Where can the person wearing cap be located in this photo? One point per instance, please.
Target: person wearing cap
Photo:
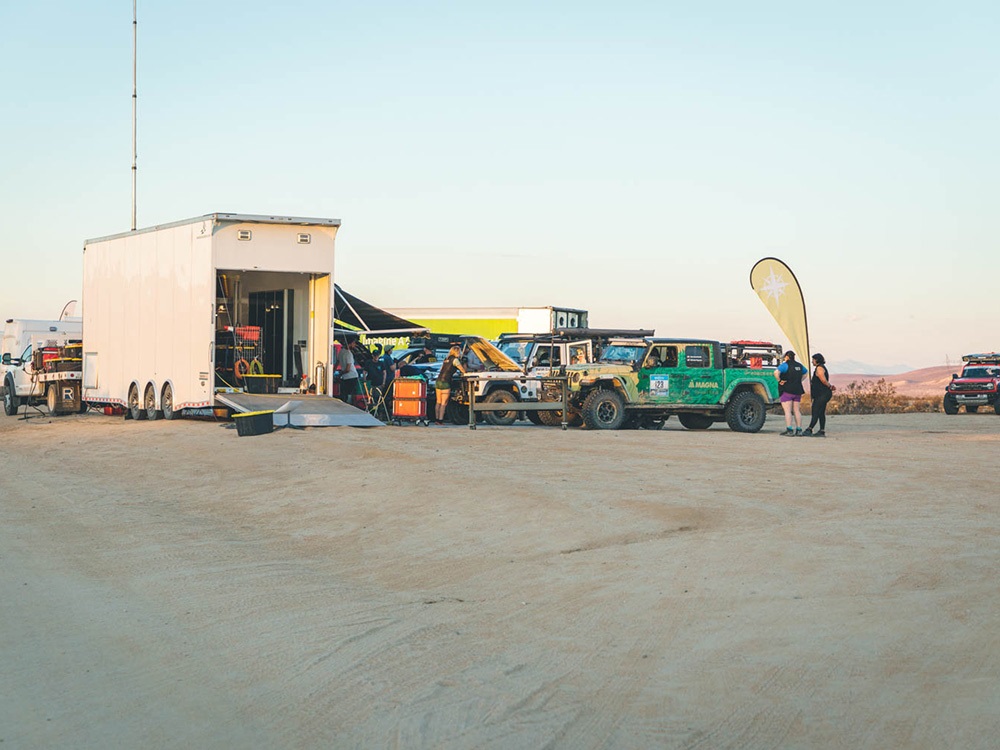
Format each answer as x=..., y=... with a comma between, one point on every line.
x=427, y=355
x=388, y=366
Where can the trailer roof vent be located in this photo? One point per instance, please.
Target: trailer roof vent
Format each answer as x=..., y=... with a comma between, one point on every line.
x=303, y=238
x=244, y=235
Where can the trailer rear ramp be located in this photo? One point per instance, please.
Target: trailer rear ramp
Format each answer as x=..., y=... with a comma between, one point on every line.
x=301, y=410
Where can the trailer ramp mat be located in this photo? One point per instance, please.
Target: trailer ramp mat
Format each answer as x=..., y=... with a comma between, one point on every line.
x=301, y=410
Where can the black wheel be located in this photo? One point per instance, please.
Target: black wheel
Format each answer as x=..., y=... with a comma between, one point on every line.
x=10, y=400
x=535, y=417
x=457, y=413
x=971, y=408
x=746, y=412
x=603, y=409
x=996, y=405
x=500, y=418
x=695, y=421
x=167, y=402
x=950, y=404
x=653, y=423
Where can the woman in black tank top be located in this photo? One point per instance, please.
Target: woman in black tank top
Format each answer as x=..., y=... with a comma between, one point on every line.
x=822, y=391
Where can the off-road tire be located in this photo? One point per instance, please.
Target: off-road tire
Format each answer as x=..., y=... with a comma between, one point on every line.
x=971, y=408
x=11, y=402
x=500, y=418
x=535, y=417
x=746, y=412
x=603, y=409
x=695, y=421
x=950, y=404
x=996, y=406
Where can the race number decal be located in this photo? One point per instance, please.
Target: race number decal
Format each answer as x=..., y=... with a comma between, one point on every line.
x=659, y=385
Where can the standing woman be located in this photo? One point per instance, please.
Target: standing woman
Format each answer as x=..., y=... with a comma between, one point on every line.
x=822, y=391
x=442, y=386
x=789, y=375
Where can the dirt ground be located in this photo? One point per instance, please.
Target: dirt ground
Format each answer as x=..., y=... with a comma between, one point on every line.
x=172, y=585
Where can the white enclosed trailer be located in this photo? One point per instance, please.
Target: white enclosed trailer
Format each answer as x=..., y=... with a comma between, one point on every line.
x=161, y=308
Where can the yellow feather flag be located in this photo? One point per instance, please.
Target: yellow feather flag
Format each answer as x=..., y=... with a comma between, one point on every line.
x=781, y=294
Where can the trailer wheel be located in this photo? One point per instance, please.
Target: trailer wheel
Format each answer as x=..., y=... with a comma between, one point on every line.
x=10, y=400
x=149, y=403
x=135, y=409
x=167, y=402
x=501, y=418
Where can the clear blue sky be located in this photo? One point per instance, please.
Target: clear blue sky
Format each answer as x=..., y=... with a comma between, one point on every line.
x=633, y=159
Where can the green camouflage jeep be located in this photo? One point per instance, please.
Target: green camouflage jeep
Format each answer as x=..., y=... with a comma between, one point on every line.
x=642, y=382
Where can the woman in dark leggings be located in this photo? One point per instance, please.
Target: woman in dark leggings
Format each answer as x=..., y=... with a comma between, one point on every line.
x=821, y=390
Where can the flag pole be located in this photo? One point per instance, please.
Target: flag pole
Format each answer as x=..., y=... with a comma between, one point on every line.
x=134, y=97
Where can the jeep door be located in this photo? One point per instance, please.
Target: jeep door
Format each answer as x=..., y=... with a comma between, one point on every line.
x=659, y=371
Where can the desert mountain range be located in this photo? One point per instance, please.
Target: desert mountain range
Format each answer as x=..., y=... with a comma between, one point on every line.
x=927, y=381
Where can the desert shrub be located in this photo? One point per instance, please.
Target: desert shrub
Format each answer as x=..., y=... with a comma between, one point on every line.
x=879, y=397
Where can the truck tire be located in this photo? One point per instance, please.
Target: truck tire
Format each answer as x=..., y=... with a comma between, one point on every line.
x=500, y=418
x=149, y=403
x=950, y=404
x=135, y=409
x=167, y=402
x=535, y=417
x=52, y=398
x=695, y=421
x=11, y=402
x=996, y=406
x=971, y=408
x=603, y=409
x=746, y=412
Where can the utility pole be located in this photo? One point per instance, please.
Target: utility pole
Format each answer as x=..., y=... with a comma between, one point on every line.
x=135, y=26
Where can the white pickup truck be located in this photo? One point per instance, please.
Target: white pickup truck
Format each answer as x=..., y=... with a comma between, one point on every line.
x=20, y=383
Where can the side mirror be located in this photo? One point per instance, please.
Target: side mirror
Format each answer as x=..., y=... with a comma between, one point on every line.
x=954, y=375
x=6, y=359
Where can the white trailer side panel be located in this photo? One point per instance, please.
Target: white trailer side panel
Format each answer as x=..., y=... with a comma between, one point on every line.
x=148, y=316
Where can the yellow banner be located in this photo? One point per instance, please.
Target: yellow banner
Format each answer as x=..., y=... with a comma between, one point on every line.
x=779, y=290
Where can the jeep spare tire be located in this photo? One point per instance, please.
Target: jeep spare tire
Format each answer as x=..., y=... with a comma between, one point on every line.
x=603, y=409
x=746, y=412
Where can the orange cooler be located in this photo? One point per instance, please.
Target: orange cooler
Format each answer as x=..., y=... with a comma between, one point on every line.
x=409, y=388
x=409, y=408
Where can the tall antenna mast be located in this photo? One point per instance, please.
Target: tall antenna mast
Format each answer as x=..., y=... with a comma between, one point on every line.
x=134, y=32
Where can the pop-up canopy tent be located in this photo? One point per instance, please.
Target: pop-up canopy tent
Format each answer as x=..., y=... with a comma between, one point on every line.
x=354, y=315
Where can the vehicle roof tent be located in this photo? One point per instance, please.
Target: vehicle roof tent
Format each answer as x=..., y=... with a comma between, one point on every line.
x=354, y=315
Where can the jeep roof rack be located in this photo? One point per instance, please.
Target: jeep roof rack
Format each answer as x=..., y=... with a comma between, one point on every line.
x=984, y=358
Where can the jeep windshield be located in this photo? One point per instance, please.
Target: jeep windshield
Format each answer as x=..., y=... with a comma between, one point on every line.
x=623, y=353
x=516, y=350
